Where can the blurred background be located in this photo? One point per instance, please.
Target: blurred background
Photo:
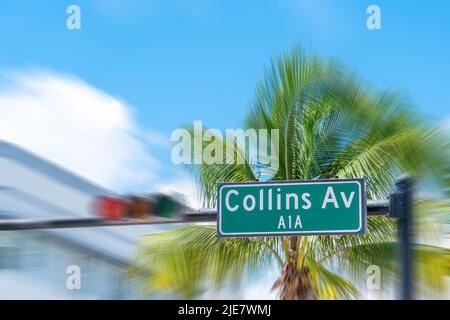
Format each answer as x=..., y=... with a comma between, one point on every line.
x=33, y=263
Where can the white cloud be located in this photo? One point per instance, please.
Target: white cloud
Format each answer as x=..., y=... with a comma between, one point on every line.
x=68, y=121
x=157, y=139
x=185, y=185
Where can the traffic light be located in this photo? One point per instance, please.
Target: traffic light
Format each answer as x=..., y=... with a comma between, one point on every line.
x=139, y=207
x=167, y=206
x=111, y=208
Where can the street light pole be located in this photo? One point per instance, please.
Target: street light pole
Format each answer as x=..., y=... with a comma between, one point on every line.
x=405, y=223
x=401, y=208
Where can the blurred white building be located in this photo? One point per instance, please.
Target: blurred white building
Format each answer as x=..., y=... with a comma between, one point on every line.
x=33, y=264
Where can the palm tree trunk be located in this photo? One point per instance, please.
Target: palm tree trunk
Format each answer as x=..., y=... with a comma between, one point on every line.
x=294, y=280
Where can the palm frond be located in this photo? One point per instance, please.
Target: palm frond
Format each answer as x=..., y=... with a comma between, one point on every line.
x=209, y=175
x=184, y=260
x=328, y=285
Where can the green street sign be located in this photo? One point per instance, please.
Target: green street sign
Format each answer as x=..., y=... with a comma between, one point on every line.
x=281, y=208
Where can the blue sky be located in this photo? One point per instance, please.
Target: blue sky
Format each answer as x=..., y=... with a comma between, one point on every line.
x=178, y=61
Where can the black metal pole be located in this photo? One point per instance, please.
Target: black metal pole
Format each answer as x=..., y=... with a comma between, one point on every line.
x=405, y=207
x=9, y=225
x=374, y=208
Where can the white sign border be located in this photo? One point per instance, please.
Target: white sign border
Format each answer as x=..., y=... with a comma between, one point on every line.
x=361, y=230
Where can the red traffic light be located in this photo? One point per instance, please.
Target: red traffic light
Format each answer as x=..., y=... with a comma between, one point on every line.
x=111, y=208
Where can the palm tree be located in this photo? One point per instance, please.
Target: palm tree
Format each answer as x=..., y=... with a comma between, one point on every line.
x=331, y=125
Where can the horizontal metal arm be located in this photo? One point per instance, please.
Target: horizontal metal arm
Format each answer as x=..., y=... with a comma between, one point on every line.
x=374, y=208
x=19, y=224
x=378, y=207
